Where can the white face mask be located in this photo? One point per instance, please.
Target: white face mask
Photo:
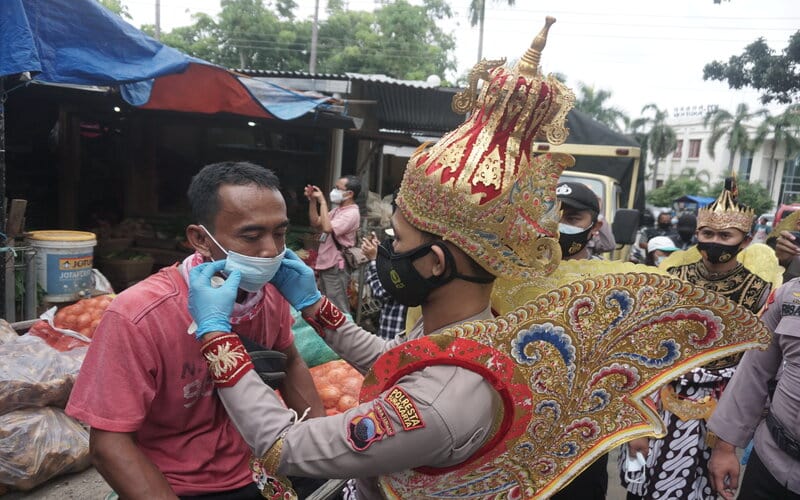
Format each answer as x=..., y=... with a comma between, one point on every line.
x=660, y=259
x=256, y=271
x=337, y=195
x=634, y=467
x=569, y=229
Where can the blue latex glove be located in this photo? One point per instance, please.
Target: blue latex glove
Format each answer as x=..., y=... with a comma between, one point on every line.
x=211, y=307
x=296, y=282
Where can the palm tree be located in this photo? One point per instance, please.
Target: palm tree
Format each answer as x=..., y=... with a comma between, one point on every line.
x=734, y=127
x=593, y=102
x=660, y=139
x=477, y=15
x=783, y=128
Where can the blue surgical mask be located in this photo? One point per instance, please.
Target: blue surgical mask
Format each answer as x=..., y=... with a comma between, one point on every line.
x=660, y=259
x=256, y=271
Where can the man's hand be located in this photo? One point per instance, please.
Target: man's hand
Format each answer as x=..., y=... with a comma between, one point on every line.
x=296, y=282
x=369, y=246
x=786, y=248
x=313, y=193
x=211, y=307
x=724, y=469
x=639, y=445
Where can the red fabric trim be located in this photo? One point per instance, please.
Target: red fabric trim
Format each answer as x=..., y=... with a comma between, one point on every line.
x=204, y=89
x=329, y=315
x=461, y=353
x=227, y=359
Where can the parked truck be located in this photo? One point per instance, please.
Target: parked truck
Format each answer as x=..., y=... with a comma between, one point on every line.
x=608, y=162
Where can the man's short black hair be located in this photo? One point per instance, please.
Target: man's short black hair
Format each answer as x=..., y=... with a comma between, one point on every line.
x=203, y=191
x=353, y=184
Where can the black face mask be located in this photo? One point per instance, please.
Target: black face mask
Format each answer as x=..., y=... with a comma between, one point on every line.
x=686, y=235
x=664, y=225
x=717, y=253
x=573, y=243
x=403, y=282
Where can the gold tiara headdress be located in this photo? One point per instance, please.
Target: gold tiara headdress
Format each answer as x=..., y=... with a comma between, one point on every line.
x=726, y=212
x=481, y=186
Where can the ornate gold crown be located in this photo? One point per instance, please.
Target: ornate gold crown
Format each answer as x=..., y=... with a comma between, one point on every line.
x=481, y=186
x=725, y=212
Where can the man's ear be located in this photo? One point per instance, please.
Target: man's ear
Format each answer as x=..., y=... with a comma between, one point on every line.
x=440, y=262
x=198, y=238
x=597, y=225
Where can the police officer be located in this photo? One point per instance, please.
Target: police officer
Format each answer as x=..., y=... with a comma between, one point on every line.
x=773, y=470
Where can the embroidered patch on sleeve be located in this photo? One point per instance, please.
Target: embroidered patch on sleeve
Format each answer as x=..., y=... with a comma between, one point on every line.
x=405, y=408
x=363, y=430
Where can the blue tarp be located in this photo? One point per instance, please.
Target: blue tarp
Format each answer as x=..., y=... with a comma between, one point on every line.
x=701, y=201
x=80, y=42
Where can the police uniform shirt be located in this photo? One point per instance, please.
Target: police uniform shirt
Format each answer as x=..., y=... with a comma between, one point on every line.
x=738, y=416
x=438, y=416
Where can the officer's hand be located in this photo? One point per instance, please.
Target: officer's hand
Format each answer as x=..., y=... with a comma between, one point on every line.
x=210, y=306
x=786, y=248
x=724, y=469
x=639, y=445
x=296, y=282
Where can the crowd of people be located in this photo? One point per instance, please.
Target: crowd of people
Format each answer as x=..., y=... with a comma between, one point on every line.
x=178, y=410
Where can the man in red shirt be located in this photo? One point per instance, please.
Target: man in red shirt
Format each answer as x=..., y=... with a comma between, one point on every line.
x=158, y=428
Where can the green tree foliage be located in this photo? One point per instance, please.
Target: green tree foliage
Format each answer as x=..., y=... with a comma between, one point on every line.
x=593, y=102
x=676, y=187
x=776, y=76
x=660, y=138
x=734, y=127
x=117, y=7
x=780, y=129
x=200, y=39
x=399, y=39
x=752, y=194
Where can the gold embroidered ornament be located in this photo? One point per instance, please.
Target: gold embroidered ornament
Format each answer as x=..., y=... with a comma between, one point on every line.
x=481, y=186
x=726, y=212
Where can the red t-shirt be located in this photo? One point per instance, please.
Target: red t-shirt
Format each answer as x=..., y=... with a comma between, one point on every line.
x=144, y=374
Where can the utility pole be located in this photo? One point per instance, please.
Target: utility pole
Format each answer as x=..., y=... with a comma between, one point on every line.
x=312, y=62
x=158, y=19
x=480, y=29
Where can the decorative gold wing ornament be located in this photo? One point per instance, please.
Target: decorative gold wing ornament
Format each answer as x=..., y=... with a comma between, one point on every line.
x=757, y=258
x=509, y=294
x=573, y=368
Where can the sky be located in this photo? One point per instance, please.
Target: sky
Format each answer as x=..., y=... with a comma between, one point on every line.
x=643, y=51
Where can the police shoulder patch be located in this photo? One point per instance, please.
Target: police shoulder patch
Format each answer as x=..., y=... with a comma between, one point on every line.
x=405, y=409
x=363, y=430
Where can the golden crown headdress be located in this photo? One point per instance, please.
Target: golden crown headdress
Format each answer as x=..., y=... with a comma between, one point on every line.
x=726, y=212
x=480, y=186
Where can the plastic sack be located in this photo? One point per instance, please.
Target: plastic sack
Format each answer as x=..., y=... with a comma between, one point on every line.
x=39, y=444
x=7, y=332
x=57, y=338
x=311, y=347
x=33, y=374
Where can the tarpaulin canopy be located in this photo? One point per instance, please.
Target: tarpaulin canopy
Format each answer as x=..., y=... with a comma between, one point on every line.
x=80, y=42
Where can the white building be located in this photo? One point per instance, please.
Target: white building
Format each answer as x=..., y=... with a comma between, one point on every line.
x=767, y=166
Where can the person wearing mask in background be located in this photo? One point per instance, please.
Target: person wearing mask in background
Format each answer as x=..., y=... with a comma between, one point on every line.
x=677, y=464
x=761, y=230
x=392, y=320
x=663, y=227
x=158, y=428
x=658, y=249
x=339, y=227
x=686, y=228
x=773, y=467
x=639, y=248
x=787, y=246
x=579, y=225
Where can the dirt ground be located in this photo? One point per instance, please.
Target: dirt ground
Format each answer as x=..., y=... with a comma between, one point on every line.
x=89, y=485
